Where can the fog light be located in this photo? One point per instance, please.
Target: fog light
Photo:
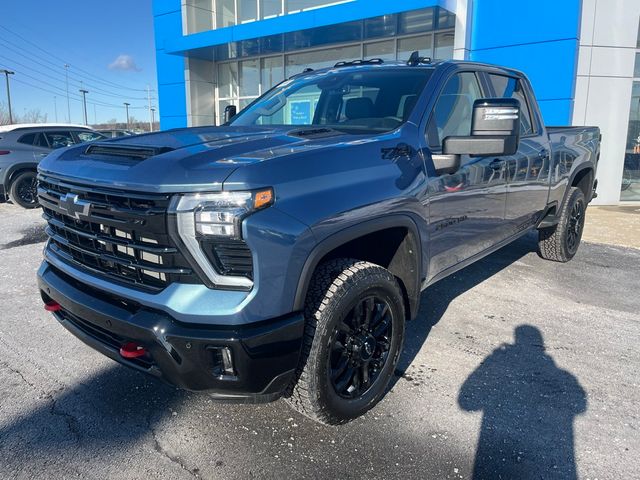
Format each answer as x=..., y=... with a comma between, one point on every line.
x=222, y=362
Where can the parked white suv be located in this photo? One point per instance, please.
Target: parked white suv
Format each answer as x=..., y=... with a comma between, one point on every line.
x=22, y=146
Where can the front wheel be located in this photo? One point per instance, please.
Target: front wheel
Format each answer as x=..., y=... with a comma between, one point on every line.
x=353, y=337
x=560, y=242
x=24, y=190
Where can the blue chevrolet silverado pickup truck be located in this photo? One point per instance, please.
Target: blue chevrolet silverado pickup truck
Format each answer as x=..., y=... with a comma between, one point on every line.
x=281, y=254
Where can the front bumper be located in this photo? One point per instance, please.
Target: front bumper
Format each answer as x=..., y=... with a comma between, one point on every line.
x=264, y=354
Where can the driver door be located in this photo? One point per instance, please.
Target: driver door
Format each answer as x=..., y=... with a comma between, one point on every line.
x=466, y=207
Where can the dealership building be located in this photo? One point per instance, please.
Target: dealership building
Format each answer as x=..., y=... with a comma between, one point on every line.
x=582, y=56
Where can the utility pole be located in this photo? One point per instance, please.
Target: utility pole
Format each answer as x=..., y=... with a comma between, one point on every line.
x=66, y=76
x=126, y=106
x=153, y=117
x=84, y=103
x=149, y=98
x=55, y=107
x=6, y=75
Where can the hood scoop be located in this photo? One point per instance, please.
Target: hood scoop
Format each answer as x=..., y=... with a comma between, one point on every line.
x=133, y=152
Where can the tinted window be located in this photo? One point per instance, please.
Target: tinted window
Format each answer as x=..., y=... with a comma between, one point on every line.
x=454, y=108
x=27, y=139
x=507, y=87
x=60, y=139
x=89, y=136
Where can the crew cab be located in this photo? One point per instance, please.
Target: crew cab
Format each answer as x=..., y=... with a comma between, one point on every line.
x=281, y=254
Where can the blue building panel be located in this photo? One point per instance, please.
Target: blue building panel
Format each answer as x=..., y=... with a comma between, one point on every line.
x=540, y=38
x=551, y=67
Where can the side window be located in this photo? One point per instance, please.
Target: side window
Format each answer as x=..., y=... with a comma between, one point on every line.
x=28, y=139
x=60, y=139
x=89, y=136
x=508, y=87
x=40, y=141
x=452, y=113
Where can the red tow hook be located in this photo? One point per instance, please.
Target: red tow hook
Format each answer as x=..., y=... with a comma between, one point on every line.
x=132, y=350
x=52, y=306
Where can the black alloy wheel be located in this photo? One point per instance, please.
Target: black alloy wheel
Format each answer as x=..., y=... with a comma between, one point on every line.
x=360, y=347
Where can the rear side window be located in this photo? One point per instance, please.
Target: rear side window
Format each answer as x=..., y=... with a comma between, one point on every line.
x=28, y=139
x=508, y=87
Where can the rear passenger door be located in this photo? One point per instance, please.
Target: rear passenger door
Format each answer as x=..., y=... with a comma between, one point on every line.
x=528, y=170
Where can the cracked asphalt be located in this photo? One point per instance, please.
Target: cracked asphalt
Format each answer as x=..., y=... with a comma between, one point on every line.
x=516, y=368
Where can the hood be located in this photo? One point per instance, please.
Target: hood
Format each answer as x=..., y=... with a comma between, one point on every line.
x=182, y=160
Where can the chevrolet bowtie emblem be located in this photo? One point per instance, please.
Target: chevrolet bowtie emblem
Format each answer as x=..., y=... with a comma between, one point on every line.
x=74, y=207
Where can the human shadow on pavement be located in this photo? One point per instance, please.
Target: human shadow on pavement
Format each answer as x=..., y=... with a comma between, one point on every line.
x=528, y=406
x=435, y=300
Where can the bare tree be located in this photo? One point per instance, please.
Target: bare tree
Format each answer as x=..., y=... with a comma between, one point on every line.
x=34, y=115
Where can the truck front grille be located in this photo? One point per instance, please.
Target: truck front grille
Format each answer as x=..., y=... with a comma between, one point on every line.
x=118, y=235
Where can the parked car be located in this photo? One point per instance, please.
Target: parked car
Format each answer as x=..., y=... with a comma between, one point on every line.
x=281, y=254
x=116, y=133
x=22, y=146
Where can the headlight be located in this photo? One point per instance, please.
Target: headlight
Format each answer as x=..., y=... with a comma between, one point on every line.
x=207, y=216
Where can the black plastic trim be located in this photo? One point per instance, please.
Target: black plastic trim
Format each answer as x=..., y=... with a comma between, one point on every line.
x=265, y=354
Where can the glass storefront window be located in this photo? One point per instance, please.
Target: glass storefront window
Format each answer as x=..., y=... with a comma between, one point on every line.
x=249, y=78
x=295, y=63
x=385, y=50
x=226, y=13
x=415, y=21
x=271, y=8
x=423, y=44
x=272, y=72
x=631, y=172
x=444, y=46
x=247, y=10
x=227, y=80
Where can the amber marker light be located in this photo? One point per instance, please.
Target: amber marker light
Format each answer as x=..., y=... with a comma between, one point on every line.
x=263, y=198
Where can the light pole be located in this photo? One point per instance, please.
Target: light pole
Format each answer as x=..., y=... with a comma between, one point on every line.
x=126, y=106
x=66, y=75
x=84, y=104
x=55, y=107
x=6, y=74
x=149, y=99
x=153, y=117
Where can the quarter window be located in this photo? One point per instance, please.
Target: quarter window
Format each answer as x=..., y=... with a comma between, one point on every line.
x=508, y=87
x=454, y=108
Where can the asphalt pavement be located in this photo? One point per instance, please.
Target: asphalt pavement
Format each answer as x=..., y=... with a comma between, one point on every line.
x=516, y=368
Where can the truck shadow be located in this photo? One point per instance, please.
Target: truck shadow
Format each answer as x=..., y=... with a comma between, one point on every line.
x=435, y=300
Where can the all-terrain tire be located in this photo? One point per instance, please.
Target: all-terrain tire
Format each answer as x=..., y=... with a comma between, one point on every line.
x=337, y=288
x=23, y=190
x=560, y=242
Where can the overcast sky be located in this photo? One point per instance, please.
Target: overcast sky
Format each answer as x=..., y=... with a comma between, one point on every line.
x=109, y=46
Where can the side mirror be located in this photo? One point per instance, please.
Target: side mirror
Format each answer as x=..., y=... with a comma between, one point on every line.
x=230, y=111
x=495, y=130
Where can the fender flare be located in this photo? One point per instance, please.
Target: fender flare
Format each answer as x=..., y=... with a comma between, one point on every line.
x=584, y=166
x=17, y=167
x=356, y=231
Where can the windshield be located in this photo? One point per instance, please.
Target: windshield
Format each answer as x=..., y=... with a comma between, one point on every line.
x=374, y=100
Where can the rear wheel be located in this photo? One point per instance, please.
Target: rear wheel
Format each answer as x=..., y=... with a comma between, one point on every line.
x=24, y=190
x=560, y=243
x=353, y=338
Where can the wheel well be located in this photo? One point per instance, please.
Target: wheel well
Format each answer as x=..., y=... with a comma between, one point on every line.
x=395, y=249
x=15, y=173
x=584, y=181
